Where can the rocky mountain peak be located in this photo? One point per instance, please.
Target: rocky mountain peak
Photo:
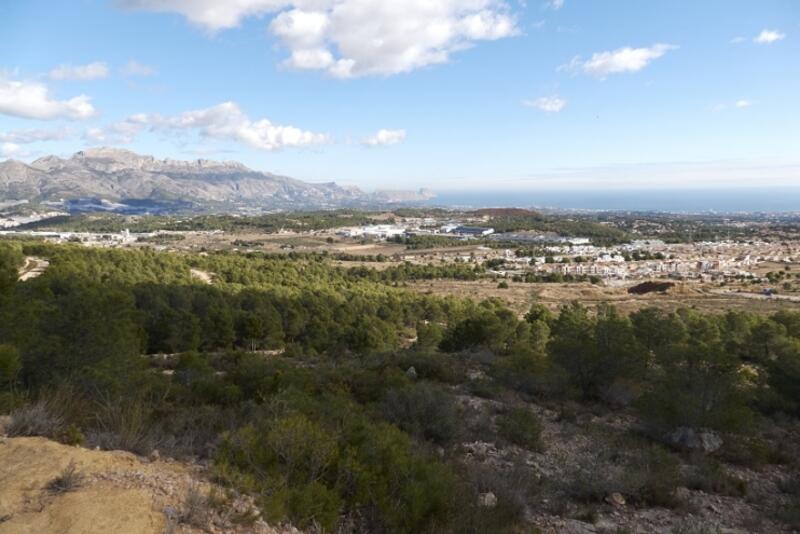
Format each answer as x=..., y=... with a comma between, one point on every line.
x=115, y=175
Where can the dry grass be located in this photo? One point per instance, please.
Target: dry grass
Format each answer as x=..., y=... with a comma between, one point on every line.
x=68, y=480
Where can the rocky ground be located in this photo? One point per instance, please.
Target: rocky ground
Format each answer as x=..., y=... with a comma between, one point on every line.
x=581, y=471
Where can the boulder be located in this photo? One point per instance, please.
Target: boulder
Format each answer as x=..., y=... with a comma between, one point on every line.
x=704, y=440
x=487, y=500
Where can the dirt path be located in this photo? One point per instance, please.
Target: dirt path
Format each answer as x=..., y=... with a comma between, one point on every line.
x=203, y=276
x=32, y=268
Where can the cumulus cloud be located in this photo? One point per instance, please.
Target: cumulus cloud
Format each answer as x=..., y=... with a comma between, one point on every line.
x=33, y=136
x=769, y=37
x=134, y=68
x=385, y=138
x=223, y=121
x=350, y=38
x=555, y=4
x=32, y=100
x=92, y=71
x=626, y=59
x=550, y=104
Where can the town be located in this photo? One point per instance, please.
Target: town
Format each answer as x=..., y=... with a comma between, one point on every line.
x=465, y=238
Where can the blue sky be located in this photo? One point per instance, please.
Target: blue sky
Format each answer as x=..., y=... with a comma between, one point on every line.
x=447, y=94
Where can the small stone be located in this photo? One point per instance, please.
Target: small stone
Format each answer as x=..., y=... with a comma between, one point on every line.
x=154, y=455
x=411, y=373
x=616, y=500
x=487, y=500
x=604, y=525
x=171, y=513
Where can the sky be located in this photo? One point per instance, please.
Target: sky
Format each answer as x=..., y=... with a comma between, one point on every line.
x=388, y=94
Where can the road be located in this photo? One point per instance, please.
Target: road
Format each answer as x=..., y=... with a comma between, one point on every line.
x=757, y=296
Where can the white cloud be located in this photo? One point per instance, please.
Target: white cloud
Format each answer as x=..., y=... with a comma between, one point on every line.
x=213, y=15
x=349, y=38
x=227, y=121
x=10, y=150
x=769, y=36
x=122, y=132
x=134, y=68
x=32, y=100
x=626, y=59
x=550, y=104
x=739, y=104
x=223, y=121
x=92, y=71
x=33, y=136
x=737, y=40
x=385, y=138
x=555, y=4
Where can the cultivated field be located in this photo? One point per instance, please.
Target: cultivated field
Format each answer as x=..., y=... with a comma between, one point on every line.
x=520, y=296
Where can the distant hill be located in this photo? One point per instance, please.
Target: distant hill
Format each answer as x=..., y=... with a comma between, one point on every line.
x=506, y=212
x=118, y=180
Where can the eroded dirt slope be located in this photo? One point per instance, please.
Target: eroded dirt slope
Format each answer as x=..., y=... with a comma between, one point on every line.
x=118, y=492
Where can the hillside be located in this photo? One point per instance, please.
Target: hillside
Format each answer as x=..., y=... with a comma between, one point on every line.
x=118, y=179
x=342, y=401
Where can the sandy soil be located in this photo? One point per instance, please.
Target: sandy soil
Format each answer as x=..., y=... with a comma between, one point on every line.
x=119, y=493
x=32, y=268
x=28, y=464
x=203, y=276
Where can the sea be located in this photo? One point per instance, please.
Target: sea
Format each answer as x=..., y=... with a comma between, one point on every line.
x=694, y=201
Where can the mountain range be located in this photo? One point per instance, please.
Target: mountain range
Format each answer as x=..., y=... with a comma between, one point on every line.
x=113, y=179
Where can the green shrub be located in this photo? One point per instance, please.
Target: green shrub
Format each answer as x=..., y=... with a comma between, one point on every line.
x=424, y=410
x=72, y=435
x=521, y=427
x=710, y=476
x=699, y=386
x=314, y=504
x=751, y=451
x=10, y=365
x=651, y=476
